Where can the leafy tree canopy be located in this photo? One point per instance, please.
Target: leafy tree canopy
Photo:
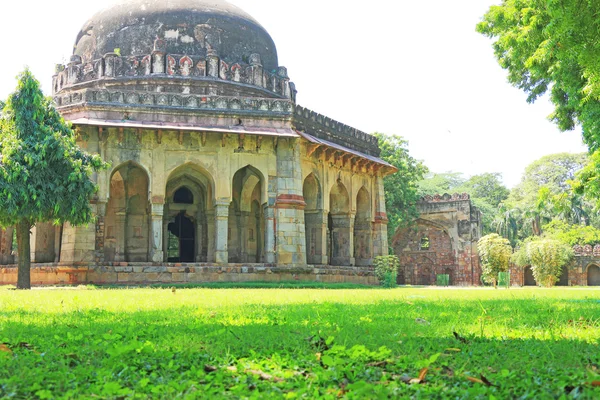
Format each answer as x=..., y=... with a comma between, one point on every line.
x=572, y=234
x=447, y=182
x=546, y=257
x=44, y=175
x=551, y=45
x=487, y=187
x=401, y=188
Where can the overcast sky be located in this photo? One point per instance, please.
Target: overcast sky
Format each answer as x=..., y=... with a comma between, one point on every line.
x=413, y=68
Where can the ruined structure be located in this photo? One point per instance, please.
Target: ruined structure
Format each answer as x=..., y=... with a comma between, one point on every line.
x=584, y=270
x=442, y=241
x=217, y=173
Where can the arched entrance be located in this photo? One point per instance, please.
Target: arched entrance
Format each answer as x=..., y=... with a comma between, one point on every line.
x=127, y=218
x=189, y=222
x=246, y=218
x=528, y=278
x=363, y=230
x=182, y=239
x=315, y=221
x=339, y=224
x=593, y=275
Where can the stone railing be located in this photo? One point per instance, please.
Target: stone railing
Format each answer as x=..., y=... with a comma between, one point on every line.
x=182, y=101
x=443, y=198
x=112, y=66
x=326, y=128
x=587, y=250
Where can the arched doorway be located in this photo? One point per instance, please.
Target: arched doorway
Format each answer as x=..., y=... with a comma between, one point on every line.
x=127, y=219
x=563, y=279
x=188, y=223
x=182, y=239
x=246, y=217
x=528, y=278
x=424, y=271
x=593, y=275
x=339, y=226
x=363, y=229
x=315, y=221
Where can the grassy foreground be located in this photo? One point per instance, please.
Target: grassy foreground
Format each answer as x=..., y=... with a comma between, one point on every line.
x=300, y=343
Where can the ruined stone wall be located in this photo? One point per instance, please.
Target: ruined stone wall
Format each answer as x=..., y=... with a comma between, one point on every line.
x=443, y=240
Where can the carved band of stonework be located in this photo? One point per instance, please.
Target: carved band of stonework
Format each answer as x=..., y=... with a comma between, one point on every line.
x=587, y=250
x=438, y=198
x=185, y=66
x=102, y=96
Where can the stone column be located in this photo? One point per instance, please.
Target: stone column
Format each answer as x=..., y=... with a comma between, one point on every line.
x=210, y=232
x=363, y=242
x=157, y=254
x=78, y=242
x=6, y=237
x=120, y=233
x=221, y=228
x=380, y=233
x=291, y=235
x=316, y=237
x=200, y=223
x=100, y=232
x=269, y=252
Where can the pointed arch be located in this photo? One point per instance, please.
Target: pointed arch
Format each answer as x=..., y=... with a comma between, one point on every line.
x=126, y=234
x=593, y=275
x=315, y=221
x=341, y=232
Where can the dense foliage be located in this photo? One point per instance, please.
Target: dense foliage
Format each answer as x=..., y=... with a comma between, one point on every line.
x=44, y=175
x=495, y=253
x=386, y=270
x=546, y=257
x=572, y=234
x=401, y=193
x=552, y=46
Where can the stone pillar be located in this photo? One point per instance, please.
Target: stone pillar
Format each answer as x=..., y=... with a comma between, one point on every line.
x=221, y=228
x=199, y=236
x=79, y=243
x=157, y=254
x=6, y=237
x=316, y=237
x=291, y=235
x=42, y=243
x=210, y=232
x=100, y=232
x=380, y=225
x=269, y=252
x=363, y=242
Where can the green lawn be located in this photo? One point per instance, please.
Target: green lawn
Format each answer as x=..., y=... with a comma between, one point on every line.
x=300, y=343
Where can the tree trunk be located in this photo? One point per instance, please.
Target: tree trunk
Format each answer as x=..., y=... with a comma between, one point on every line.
x=24, y=249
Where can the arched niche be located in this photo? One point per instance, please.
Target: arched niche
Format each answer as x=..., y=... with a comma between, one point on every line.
x=315, y=220
x=188, y=224
x=245, y=235
x=363, y=229
x=593, y=275
x=127, y=217
x=340, y=227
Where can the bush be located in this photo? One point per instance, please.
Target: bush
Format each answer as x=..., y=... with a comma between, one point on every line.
x=547, y=257
x=495, y=252
x=386, y=270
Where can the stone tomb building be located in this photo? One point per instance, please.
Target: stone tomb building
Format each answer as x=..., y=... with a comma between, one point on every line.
x=442, y=241
x=217, y=173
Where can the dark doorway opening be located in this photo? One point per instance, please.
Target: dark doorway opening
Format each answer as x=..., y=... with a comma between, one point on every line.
x=529, y=279
x=563, y=280
x=182, y=239
x=593, y=276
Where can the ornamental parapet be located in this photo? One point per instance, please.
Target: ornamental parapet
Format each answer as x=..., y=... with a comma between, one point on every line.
x=328, y=129
x=175, y=66
x=587, y=250
x=445, y=198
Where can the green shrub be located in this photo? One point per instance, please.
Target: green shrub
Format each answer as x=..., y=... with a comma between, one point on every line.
x=495, y=252
x=546, y=257
x=386, y=270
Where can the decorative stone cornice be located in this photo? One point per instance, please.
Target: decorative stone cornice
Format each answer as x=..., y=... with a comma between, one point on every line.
x=587, y=250
x=170, y=100
x=176, y=66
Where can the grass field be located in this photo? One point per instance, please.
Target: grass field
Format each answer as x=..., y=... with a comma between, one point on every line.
x=300, y=343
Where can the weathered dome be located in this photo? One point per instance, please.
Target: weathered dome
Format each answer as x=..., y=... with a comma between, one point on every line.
x=190, y=27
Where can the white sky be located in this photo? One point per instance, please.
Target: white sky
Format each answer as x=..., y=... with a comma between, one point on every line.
x=413, y=68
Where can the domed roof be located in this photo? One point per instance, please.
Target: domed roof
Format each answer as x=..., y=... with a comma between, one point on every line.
x=190, y=27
